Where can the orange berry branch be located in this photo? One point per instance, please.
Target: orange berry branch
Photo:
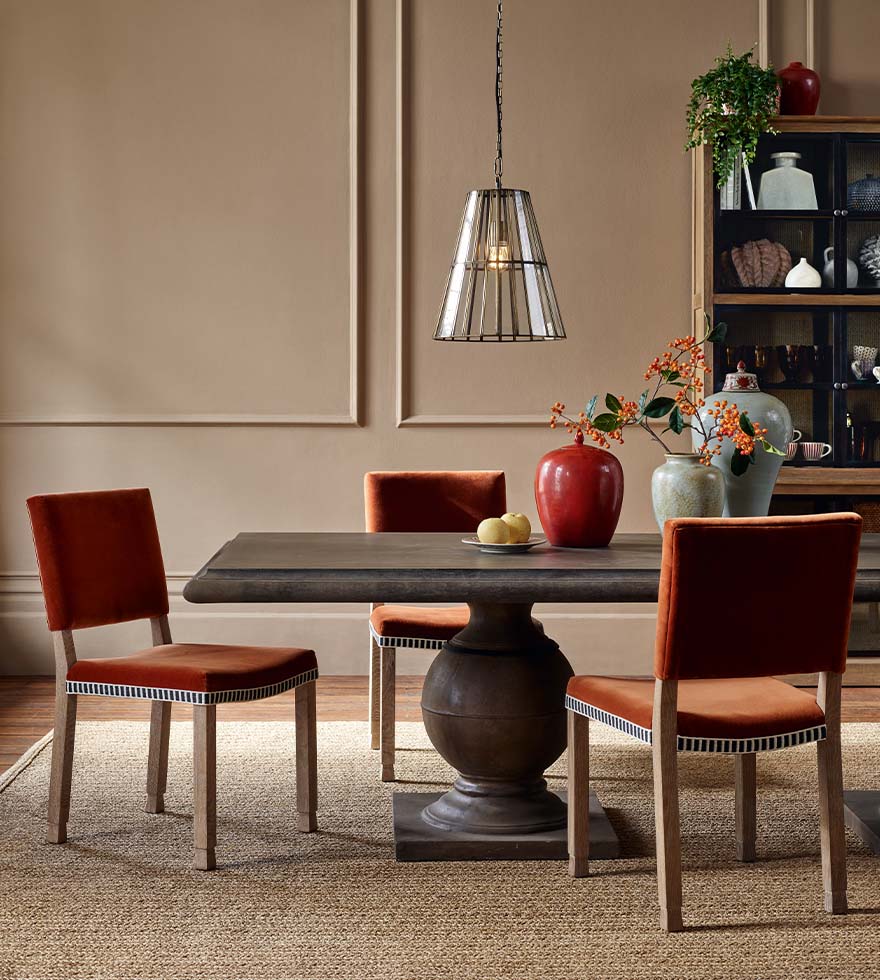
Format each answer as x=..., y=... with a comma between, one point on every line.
x=681, y=371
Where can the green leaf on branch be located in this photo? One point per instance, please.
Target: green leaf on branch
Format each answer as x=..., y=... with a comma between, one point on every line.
x=676, y=421
x=643, y=398
x=612, y=403
x=739, y=463
x=716, y=334
x=658, y=407
x=670, y=375
x=746, y=425
x=770, y=448
x=606, y=422
x=591, y=406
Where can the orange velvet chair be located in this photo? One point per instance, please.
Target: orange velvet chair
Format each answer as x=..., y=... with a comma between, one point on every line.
x=100, y=563
x=425, y=502
x=790, y=582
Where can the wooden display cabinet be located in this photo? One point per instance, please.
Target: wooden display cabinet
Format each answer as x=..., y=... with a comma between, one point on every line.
x=800, y=341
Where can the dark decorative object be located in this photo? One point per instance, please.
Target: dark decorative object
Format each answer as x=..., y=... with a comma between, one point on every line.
x=763, y=363
x=499, y=286
x=761, y=264
x=799, y=89
x=579, y=492
x=821, y=360
x=789, y=361
x=864, y=194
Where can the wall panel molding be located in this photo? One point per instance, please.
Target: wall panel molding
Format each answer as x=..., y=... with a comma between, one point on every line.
x=405, y=417
x=353, y=416
x=764, y=33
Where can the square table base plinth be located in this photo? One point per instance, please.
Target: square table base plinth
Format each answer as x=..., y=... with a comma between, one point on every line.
x=416, y=840
x=861, y=812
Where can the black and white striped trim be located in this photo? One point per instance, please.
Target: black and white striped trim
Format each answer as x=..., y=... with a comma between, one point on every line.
x=190, y=697
x=406, y=642
x=688, y=743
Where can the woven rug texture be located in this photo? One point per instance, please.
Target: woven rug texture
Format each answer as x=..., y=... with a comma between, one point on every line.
x=120, y=900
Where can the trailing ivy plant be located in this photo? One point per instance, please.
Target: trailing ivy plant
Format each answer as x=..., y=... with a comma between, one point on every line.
x=730, y=107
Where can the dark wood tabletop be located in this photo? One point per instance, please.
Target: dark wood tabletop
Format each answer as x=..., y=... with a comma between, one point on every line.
x=358, y=567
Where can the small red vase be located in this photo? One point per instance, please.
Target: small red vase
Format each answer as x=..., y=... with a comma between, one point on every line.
x=798, y=90
x=579, y=491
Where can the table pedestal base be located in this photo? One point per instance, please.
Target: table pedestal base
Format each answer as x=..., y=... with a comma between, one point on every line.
x=417, y=840
x=861, y=812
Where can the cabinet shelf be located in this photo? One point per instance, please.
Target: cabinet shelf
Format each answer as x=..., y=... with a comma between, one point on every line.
x=794, y=299
x=759, y=214
x=796, y=386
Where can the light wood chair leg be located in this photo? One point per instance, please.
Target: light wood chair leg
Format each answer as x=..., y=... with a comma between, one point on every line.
x=746, y=806
x=386, y=734
x=62, y=763
x=666, y=818
x=578, y=795
x=831, y=825
x=306, y=758
x=205, y=772
x=157, y=761
x=375, y=692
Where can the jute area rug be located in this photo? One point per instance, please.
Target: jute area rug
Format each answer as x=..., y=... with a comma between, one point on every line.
x=120, y=900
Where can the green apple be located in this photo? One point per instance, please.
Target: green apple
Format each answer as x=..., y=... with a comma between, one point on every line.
x=493, y=531
x=520, y=528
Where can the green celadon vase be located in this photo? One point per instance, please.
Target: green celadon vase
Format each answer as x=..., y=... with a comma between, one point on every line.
x=749, y=495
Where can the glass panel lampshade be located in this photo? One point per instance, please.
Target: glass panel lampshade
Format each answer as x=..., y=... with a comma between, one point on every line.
x=499, y=285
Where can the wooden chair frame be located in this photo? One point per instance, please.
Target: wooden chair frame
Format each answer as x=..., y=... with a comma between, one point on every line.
x=204, y=754
x=383, y=694
x=666, y=807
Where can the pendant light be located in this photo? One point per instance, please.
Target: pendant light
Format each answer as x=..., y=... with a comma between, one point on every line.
x=499, y=286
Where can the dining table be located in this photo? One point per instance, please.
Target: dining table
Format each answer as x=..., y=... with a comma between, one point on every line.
x=493, y=699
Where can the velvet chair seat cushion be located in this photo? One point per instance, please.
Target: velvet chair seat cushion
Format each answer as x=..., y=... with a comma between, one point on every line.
x=198, y=667
x=739, y=708
x=417, y=622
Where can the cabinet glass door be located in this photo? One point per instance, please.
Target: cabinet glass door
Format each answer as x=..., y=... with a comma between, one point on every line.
x=859, y=428
x=858, y=214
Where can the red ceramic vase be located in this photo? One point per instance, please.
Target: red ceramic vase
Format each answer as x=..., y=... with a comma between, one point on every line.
x=579, y=490
x=798, y=90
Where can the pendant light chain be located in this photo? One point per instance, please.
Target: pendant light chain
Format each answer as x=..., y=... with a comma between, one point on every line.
x=499, y=90
x=499, y=286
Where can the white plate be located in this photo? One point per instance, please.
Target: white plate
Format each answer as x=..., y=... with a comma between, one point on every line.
x=505, y=549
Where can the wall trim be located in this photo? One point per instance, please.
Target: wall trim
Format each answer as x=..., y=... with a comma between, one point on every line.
x=354, y=414
x=405, y=418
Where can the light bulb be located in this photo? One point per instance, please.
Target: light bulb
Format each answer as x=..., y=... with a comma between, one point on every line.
x=499, y=255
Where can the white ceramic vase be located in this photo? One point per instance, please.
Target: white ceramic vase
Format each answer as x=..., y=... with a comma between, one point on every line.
x=803, y=276
x=852, y=270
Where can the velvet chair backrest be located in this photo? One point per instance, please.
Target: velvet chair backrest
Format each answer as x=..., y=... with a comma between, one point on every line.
x=431, y=501
x=99, y=557
x=756, y=597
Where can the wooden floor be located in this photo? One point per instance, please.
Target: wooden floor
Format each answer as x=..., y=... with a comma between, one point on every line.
x=26, y=707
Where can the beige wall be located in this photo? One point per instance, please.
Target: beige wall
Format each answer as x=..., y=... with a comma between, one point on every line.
x=178, y=197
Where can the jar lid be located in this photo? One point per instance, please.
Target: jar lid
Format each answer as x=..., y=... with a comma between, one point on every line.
x=741, y=380
x=787, y=155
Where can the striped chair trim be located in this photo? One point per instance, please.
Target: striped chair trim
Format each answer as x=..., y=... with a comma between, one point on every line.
x=406, y=642
x=688, y=743
x=190, y=697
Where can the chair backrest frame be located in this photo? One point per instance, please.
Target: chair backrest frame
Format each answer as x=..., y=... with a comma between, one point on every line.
x=99, y=558
x=433, y=500
x=784, y=615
